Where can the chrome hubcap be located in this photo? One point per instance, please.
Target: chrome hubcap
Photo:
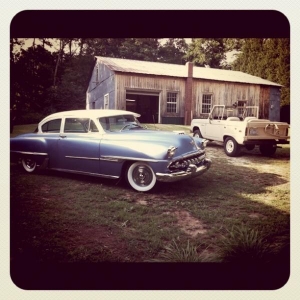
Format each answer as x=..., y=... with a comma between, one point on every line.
x=142, y=176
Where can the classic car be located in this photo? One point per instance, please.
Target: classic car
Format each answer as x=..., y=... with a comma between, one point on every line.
x=110, y=143
x=241, y=127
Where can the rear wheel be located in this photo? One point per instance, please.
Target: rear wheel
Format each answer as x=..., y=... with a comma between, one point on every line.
x=231, y=147
x=267, y=150
x=141, y=177
x=29, y=164
x=197, y=133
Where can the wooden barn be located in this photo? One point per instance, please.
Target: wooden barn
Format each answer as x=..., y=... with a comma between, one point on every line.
x=174, y=94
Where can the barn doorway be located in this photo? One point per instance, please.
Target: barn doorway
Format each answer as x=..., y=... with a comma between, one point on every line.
x=145, y=104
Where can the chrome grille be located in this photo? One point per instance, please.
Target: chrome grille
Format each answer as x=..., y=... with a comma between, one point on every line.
x=184, y=162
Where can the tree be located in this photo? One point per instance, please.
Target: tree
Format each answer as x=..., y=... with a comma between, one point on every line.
x=31, y=75
x=267, y=58
x=173, y=51
x=207, y=52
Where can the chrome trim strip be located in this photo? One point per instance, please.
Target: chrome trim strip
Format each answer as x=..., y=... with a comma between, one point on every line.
x=122, y=158
x=29, y=153
x=85, y=173
x=79, y=157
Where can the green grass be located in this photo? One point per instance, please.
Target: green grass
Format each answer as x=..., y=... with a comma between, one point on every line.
x=240, y=206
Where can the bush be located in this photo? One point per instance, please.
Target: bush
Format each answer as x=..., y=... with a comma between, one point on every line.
x=245, y=245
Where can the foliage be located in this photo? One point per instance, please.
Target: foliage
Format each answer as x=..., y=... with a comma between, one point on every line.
x=52, y=74
x=173, y=253
x=173, y=51
x=244, y=244
x=269, y=59
x=207, y=52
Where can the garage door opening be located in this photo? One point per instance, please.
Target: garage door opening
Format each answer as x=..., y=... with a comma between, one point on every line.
x=145, y=105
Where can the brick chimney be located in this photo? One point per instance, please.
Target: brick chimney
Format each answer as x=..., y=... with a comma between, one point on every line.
x=188, y=94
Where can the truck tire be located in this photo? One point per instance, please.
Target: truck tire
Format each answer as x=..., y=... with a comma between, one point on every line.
x=197, y=133
x=231, y=147
x=268, y=149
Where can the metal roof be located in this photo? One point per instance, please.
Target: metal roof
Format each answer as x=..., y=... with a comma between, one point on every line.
x=163, y=69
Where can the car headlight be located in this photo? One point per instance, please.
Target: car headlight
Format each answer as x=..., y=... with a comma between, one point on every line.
x=171, y=151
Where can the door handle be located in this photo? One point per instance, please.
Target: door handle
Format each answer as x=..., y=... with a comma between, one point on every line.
x=62, y=136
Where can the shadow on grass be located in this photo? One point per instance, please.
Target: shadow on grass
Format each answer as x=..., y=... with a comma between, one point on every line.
x=42, y=237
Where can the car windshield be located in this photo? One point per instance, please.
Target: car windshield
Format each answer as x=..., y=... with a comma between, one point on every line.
x=120, y=123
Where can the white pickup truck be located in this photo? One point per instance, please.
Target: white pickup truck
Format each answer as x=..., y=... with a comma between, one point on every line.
x=239, y=127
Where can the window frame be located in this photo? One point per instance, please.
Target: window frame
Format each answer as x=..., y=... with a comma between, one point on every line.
x=172, y=104
x=47, y=122
x=106, y=101
x=207, y=107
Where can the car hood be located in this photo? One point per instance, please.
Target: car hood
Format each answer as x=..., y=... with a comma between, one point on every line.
x=152, y=143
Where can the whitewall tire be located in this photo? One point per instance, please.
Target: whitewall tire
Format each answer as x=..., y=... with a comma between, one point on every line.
x=29, y=165
x=141, y=177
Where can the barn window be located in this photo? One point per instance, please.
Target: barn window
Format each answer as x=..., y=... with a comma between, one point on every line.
x=106, y=101
x=206, y=103
x=240, y=106
x=172, y=102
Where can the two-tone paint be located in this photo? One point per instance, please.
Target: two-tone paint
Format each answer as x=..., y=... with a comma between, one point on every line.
x=165, y=156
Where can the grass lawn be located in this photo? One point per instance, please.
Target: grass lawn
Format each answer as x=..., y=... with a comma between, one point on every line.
x=238, y=211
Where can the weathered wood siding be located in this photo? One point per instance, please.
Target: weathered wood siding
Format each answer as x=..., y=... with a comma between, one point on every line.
x=227, y=93
x=102, y=82
x=156, y=84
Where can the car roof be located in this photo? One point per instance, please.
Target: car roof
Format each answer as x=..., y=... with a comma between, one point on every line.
x=91, y=113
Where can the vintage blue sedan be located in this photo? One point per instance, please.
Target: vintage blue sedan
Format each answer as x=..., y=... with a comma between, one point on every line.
x=110, y=144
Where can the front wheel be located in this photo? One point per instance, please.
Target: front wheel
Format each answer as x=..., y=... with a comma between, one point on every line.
x=267, y=150
x=231, y=147
x=197, y=134
x=141, y=177
x=29, y=164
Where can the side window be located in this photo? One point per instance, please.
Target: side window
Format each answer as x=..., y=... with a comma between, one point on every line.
x=76, y=125
x=52, y=126
x=93, y=127
x=106, y=101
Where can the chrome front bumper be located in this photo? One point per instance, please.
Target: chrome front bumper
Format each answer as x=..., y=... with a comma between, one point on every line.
x=192, y=171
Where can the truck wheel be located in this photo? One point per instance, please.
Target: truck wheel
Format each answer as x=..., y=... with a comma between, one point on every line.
x=197, y=134
x=231, y=147
x=267, y=150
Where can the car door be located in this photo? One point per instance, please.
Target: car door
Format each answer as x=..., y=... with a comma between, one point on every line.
x=78, y=147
